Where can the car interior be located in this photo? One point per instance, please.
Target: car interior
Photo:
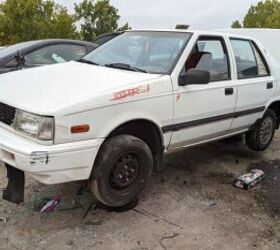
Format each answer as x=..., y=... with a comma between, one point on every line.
x=211, y=60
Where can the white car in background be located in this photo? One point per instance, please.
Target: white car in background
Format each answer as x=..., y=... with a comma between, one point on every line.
x=110, y=117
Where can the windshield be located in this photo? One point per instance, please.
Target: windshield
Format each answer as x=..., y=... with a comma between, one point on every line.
x=14, y=48
x=153, y=52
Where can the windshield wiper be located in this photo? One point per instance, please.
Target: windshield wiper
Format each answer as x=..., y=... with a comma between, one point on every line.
x=125, y=67
x=87, y=61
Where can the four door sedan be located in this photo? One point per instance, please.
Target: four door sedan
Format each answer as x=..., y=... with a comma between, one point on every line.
x=42, y=52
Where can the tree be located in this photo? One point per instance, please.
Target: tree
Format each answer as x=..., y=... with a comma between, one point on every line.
x=23, y=20
x=97, y=18
x=236, y=25
x=266, y=14
x=63, y=25
x=124, y=28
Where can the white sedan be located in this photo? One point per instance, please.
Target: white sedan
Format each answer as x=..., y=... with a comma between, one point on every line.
x=110, y=117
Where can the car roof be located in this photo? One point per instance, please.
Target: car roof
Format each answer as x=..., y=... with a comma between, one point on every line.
x=104, y=38
x=46, y=41
x=193, y=31
x=116, y=33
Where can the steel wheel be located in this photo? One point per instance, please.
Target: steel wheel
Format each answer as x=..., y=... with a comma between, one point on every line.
x=266, y=130
x=124, y=172
x=262, y=132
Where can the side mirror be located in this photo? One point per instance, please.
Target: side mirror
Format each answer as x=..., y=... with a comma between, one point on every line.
x=194, y=76
x=20, y=59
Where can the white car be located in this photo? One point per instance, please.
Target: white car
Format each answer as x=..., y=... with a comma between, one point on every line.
x=111, y=117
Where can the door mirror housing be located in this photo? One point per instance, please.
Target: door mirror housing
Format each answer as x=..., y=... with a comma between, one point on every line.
x=20, y=59
x=194, y=76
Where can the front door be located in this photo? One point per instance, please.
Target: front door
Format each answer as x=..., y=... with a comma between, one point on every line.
x=204, y=111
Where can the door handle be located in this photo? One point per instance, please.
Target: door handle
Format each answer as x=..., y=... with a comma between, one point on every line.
x=229, y=91
x=269, y=85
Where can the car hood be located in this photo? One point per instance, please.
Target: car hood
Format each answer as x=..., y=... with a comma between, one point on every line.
x=47, y=89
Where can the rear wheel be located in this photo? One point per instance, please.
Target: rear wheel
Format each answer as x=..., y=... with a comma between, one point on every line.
x=122, y=170
x=261, y=136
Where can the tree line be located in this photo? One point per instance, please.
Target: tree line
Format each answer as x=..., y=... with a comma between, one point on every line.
x=265, y=14
x=24, y=20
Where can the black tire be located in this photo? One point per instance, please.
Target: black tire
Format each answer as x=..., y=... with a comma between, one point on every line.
x=255, y=137
x=122, y=170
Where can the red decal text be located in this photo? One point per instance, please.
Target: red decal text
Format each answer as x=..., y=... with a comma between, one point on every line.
x=130, y=92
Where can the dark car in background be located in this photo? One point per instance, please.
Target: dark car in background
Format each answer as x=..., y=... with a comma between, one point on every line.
x=42, y=52
x=104, y=38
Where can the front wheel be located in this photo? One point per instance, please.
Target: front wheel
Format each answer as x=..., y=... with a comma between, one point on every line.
x=261, y=136
x=122, y=170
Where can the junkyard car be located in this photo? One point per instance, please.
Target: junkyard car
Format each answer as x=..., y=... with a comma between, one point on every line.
x=111, y=117
x=42, y=52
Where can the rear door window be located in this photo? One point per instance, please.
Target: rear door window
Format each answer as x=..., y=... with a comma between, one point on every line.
x=249, y=60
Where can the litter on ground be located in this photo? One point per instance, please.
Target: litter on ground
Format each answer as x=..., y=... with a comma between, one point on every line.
x=51, y=205
x=249, y=180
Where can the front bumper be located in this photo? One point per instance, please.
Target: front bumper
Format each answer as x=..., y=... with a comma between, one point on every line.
x=49, y=164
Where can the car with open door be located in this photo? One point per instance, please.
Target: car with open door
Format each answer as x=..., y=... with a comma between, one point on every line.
x=42, y=52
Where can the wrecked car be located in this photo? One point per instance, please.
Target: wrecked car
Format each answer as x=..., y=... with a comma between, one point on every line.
x=111, y=117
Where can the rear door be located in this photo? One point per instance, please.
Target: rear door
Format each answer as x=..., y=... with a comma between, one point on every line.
x=255, y=85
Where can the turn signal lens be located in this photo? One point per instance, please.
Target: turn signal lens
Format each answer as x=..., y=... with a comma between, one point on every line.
x=79, y=129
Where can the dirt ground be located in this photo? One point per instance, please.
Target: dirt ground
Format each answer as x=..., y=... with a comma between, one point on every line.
x=192, y=205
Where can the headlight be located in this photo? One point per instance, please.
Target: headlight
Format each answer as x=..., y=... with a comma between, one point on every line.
x=39, y=127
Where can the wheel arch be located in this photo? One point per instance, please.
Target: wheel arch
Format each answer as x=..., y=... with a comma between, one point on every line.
x=146, y=130
x=275, y=106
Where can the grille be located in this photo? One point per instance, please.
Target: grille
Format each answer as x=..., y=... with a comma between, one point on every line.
x=7, y=113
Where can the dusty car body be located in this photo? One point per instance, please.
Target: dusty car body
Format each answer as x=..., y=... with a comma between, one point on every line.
x=111, y=117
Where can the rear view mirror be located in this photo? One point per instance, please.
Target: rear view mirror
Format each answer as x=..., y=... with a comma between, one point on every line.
x=194, y=76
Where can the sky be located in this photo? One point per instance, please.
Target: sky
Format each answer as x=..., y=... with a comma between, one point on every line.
x=165, y=14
